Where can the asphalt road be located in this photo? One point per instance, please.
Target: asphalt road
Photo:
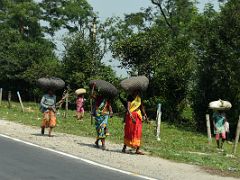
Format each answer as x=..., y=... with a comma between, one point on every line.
x=19, y=161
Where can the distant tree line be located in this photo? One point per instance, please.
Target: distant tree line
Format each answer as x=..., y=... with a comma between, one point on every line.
x=190, y=57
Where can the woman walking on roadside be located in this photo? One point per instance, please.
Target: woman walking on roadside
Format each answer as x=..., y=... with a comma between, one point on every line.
x=135, y=111
x=48, y=102
x=133, y=123
x=102, y=92
x=48, y=108
x=219, y=119
x=80, y=107
x=103, y=110
x=80, y=103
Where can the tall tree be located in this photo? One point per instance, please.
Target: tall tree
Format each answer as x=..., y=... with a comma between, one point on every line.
x=82, y=61
x=22, y=44
x=160, y=50
x=218, y=60
x=73, y=15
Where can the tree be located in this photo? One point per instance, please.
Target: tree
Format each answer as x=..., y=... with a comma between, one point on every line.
x=71, y=15
x=22, y=45
x=217, y=46
x=23, y=16
x=162, y=51
x=26, y=54
x=82, y=62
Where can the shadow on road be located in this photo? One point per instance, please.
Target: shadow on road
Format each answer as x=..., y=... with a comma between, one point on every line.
x=88, y=145
x=45, y=135
x=111, y=150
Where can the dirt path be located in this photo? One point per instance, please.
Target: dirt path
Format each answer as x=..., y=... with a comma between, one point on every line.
x=83, y=147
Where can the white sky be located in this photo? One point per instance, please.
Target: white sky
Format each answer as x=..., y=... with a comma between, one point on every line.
x=108, y=8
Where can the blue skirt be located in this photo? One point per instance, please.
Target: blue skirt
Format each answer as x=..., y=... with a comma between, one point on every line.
x=101, y=124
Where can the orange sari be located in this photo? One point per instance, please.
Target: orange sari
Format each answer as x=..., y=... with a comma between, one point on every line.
x=133, y=131
x=49, y=119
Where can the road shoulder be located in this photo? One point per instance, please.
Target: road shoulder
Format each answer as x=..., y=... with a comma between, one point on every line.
x=83, y=147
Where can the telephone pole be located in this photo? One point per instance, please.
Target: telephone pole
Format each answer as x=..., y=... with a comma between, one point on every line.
x=93, y=32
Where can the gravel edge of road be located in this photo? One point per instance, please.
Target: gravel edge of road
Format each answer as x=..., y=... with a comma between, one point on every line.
x=83, y=147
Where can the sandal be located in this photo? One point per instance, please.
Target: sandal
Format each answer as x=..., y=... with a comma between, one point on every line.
x=103, y=147
x=42, y=131
x=124, y=150
x=139, y=153
x=97, y=145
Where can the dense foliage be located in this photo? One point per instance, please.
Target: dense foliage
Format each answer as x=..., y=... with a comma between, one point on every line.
x=190, y=57
x=218, y=63
x=26, y=54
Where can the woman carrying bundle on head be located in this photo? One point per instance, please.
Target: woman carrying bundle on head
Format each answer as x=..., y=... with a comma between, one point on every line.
x=102, y=109
x=48, y=102
x=135, y=112
x=80, y=103
x=219, y=120
x=133, y=122
x=48, y=108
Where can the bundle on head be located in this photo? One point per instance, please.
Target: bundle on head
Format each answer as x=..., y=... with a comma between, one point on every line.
x=220, y=105
x=51, y=83
x=80, y=91
x=138, y=83
x=105, y=88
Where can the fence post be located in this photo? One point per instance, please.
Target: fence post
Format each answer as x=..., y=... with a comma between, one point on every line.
x=1, y=91
x=236, y=137
x=20, y=100
x=208, y=128
x=9, y=99
x=158, y=118
x=66, y=104
x=91, y=103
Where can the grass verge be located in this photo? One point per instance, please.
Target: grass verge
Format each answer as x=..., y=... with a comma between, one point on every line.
x=176, y=144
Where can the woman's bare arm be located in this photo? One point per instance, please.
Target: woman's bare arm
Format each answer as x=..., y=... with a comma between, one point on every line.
x=110, y=109
x=128, y=109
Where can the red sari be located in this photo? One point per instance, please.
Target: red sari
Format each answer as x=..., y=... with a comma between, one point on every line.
x=133, y=130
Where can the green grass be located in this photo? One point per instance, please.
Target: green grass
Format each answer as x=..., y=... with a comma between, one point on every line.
x=176, y=143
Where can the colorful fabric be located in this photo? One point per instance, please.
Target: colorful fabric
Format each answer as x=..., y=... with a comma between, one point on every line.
x=133, y=130
x=135, y=106
x=47, y=101
x=219, y=121
x=101, y=125
x=79, y=104
x=49, y=119
x=101, y=118
x=223, y=135
x=102, y=107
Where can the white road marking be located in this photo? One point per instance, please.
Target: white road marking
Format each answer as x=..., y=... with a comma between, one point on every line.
x=78, y=158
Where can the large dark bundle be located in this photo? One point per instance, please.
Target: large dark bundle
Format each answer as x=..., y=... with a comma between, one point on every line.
x=52, y=83
x=104, y=87
x=138, y=83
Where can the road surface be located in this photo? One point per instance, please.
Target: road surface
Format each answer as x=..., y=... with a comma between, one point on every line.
x=19, y=161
